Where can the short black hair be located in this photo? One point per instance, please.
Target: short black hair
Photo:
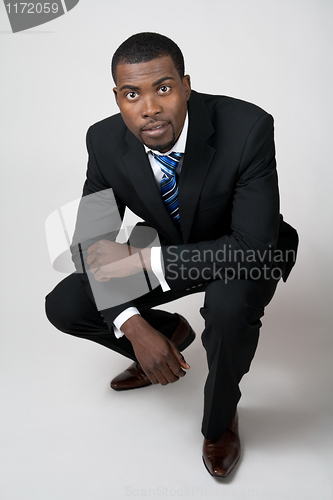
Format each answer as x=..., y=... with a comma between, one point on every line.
x=144, y=47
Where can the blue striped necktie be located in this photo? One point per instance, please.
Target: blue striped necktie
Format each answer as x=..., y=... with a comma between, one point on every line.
x=169, y=189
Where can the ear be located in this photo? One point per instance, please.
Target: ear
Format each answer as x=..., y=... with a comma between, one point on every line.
x=187, y=85
x=116, y=95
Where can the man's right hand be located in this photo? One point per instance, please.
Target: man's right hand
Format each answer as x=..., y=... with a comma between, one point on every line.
x=157, y=355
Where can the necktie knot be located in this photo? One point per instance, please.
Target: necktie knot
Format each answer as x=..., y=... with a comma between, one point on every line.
x=168, y=163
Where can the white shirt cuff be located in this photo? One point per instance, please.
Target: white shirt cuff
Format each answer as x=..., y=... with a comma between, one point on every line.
x=156, y=267
x=121, y=318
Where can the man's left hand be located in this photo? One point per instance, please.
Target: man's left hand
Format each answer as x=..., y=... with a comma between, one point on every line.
x=108, y=259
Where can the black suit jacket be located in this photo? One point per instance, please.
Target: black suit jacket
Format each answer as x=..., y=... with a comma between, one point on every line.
x=228, y=192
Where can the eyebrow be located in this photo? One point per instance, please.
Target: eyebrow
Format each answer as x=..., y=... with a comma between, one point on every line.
x=129, y=87
x=162, y=80
x=135, y=88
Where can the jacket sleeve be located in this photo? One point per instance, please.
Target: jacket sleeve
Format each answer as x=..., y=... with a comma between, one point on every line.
x=99, y=217
x=247, y=250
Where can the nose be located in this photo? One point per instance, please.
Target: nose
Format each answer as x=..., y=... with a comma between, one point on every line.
x=150, y=107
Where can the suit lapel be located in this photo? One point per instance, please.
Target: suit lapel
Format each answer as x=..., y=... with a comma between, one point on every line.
x=142, y=177
x=197, y=159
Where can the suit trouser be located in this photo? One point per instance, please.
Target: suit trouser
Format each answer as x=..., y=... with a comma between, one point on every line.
x=232, y=310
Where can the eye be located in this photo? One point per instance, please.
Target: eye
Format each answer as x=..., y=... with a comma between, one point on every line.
x=131, y=96
x=164, y=89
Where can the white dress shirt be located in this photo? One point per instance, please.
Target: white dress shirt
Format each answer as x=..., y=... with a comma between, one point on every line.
x=155, y=256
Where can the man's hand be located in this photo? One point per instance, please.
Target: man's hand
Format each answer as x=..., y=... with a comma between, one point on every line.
x=157, y=355
x=108, y=259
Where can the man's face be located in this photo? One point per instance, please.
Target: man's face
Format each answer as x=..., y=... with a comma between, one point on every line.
x=152, y=98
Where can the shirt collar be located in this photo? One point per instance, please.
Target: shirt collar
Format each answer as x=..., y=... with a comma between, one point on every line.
x=179, y=146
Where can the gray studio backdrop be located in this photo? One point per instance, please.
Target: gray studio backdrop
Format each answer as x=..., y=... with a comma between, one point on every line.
x=55, y=82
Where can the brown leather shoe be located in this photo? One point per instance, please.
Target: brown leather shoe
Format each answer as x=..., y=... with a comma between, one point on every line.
x=221, y=455
x=134, y=377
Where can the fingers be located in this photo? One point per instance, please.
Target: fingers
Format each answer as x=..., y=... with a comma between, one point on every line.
x=156, y=377
x=181, y=360
x=92, y=248
x=160, y=374
x=96, y=252
x=97, y=245
x=151, y=377
x=171, y=369
x=176, y=368
x=160, y=378
x=90, y=260
x=99, y=277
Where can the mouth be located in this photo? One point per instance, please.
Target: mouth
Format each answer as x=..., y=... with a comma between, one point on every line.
x=155, y=129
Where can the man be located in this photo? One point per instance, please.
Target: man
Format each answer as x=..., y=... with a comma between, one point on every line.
x=200, y=170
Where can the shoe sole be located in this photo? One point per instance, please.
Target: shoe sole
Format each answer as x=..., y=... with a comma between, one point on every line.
x=130, y=388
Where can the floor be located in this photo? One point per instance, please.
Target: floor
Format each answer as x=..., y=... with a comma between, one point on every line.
x=67, y=436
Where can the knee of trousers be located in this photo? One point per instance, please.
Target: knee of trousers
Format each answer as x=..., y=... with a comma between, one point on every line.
x=67, y=305
x=57, y=312
x=70, y=310
x=232, y=306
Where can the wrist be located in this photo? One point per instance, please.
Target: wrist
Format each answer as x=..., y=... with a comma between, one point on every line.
x=144, y=260
x=145, y=256
x=131, y=326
